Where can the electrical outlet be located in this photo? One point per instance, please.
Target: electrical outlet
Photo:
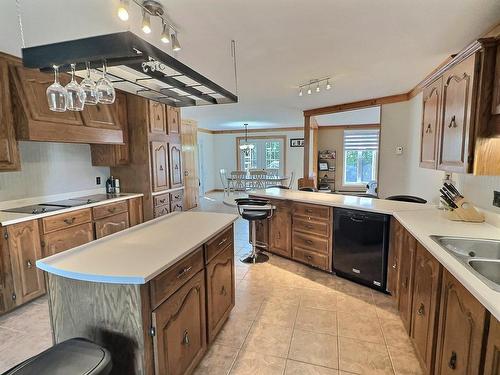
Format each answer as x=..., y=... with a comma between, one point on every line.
x=98, y=180
x=496, y=198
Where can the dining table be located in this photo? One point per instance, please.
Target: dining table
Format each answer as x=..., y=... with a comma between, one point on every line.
x=247, y=181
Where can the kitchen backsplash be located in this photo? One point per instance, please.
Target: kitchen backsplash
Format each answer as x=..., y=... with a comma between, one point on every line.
x=51, y=168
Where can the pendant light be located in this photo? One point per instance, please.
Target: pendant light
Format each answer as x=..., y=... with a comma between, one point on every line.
x=246, y=147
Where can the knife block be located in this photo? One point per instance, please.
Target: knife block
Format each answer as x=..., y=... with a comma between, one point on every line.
x=465, y=212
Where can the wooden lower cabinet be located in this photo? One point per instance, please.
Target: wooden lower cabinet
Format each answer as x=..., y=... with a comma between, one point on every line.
x=426, y=293
x=111, y=224
x=61, y=240
x=135, y=214
x=406, y=274
x=461, y=330
x=180, y=329
x=220, y=291
x=280, y=230
x=394, y=256
x=492, y=362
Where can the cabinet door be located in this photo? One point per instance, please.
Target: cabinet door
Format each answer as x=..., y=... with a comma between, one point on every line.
x=65, y=239
x=492, y=363
x=159, y=165
x=122, y=151
x=135, y=213
x=9, y=151
x=180, y=329
x=430, y=124
x=393, y=260
x=406, y=274
x=111, y=224
x=157, y=123
x=175, y=161
x=461, y=330
x=426, y=292
x=456, y=129
x=220, y=291
x=25, y=249
x=261, y=233
x=173, y=120
x=280, y=228
x=101, y=116
x=6, y=283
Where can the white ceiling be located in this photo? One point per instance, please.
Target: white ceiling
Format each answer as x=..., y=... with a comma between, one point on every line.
x=369, y=48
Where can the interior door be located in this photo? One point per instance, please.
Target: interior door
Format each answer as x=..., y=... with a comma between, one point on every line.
x=189, y=140
x=159, y=165
x=430, y=124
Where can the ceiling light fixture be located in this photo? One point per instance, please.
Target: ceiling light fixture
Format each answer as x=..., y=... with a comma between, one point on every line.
x=123, y=10
x=328, y=86
x=176, y=46
x=318, y=82
x=300, y=92
x=246, y=147
x=165, y=34
x=309, y=92
x=146, y=22
x=317, y=88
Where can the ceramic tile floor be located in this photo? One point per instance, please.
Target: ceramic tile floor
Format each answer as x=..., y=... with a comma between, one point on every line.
x=288, y=319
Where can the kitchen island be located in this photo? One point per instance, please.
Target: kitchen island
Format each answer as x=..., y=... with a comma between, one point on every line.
x=155, y=295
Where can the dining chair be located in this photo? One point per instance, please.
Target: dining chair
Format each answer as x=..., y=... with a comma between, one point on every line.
x=226, y=184
x=273, y=172
x=258, y=179
x=238, y=180
x=291, y=180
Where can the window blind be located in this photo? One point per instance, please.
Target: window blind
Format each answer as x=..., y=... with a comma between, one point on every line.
x=361, y=140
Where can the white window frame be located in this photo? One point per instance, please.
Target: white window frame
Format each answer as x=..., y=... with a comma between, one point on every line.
x=375, y=159
x=260, y=148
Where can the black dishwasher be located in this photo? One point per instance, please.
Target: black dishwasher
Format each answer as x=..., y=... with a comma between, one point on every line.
x=361, y=241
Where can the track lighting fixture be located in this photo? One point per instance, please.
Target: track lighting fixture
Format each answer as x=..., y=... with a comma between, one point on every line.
x=176, y=46
x=123, y=10
x=146, y=22
x=317, y=82
x=165, y=34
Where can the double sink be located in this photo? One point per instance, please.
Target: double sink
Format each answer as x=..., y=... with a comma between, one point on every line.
x=480, y=256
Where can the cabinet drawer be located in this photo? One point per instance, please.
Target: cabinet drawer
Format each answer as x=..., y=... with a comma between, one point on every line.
x=166, y=283
x=162, y=210
x=177, y=195
x=61, y=240
x=109, y=209
x=215, y=245
x=161, y=199
x=312, y=210
x=310, y=242
x=320, y=228
x=176, y=206
x=69, y=219
x=112, y=224
x=310, y=257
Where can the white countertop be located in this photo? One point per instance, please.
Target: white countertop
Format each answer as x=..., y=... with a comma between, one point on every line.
x=8, y=218
x=138, y=254
x=422, y=224
x=338, y=200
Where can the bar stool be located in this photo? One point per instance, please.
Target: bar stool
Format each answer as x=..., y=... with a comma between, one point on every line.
x=253, y=209
x=76, y=356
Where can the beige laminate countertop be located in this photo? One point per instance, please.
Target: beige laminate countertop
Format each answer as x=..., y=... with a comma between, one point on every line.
x=138, y=254
x=9, y=218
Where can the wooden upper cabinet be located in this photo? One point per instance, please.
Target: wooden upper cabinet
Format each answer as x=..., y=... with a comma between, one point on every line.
x=159, y=165
x=280, y=230
x=426, y=293
x=157, y=123
x=101, y=116
x=406, y=276
x=24, y=249
x=173, y=120
x=180, y=329
x=492, y=362
x=9, y=151
x=430, y=124
x=455, y=146
x=175, y=162
x=461, y=330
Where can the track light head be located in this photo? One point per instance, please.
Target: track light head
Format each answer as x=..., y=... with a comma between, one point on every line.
x=165, y=34
x=317, y=88
x=146, y=22
x=300, y=92
x=328, y=86
x=309, y=91
x=123, y=10
x=176, y=46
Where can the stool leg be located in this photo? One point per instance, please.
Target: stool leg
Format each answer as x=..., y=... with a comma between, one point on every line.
x=254, y=256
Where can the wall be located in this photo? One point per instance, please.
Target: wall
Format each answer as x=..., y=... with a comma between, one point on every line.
x=51, y=168
x=332, y=139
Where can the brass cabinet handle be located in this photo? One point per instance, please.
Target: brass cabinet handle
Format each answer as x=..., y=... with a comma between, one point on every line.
x=162, y=200
x=161, y=167
x=29, y=264
x=428, y=129
x=111, y=209
x=69, y=221
x=309, y=226
x=421, y=309
x=453, y=361
x=223, y=291
x=309, y=210
x=308, y=257
x=220, y=243
x=185, y=338
x=184, y=272
x=395, y=265
x=453, y=123
x=309, y=242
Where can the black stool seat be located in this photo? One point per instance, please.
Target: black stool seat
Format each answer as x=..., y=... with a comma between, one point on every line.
x=254, y=215
x=75, y=356
x=407, y=198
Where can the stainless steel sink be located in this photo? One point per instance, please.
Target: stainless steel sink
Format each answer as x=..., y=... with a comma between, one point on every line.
x=480, y=256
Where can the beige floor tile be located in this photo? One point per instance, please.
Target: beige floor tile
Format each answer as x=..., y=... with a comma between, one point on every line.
x=405, y=361
x=360, y=327
x=287, y=296
x=268, y=339
x=352, y=289
x=355, y=305
x=315, y=320
x=251, y=363
x=217, y=361
x=234, y=332
x=314, y=348
x=363, y=357
x=315, y=299
x=386, y=306
x=246, y=309
x=395, y=333
x=299, y=368
x=278, y=314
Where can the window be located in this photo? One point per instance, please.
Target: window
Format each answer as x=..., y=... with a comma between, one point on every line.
x=360, y=156
x=266, y=154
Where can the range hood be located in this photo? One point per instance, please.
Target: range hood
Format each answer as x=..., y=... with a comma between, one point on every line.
x=134, y=66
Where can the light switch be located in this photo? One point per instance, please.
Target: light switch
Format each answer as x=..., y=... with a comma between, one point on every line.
x=399, y=150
